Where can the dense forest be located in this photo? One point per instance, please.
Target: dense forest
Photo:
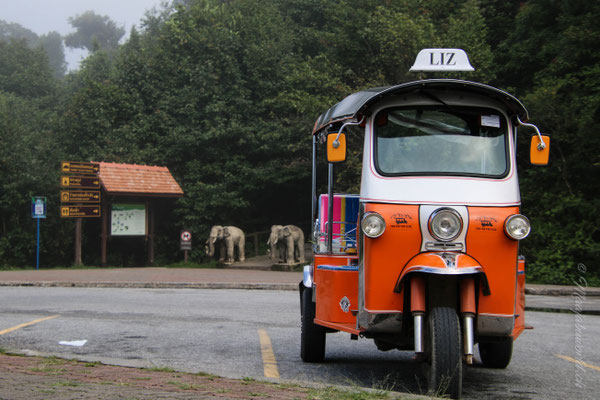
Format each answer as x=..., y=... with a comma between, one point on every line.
x=225, y=94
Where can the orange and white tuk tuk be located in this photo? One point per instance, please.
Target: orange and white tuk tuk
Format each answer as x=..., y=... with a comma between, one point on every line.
x=426, y=257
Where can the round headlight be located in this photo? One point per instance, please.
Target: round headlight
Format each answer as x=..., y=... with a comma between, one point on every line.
x=445, y=224
x=517, y=227
x=373, y=225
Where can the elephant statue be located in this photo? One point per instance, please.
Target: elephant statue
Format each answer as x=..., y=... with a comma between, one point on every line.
x=229, y=238
x=293, y=238
x=277, y=250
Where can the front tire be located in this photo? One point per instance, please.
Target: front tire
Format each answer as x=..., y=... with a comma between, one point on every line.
x=312, y=337
x=496, y=354
x=444, y=369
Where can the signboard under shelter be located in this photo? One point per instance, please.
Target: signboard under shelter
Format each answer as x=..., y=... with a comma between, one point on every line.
x=128, y=220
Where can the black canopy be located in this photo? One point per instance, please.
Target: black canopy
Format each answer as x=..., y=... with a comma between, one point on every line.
x=359, y=102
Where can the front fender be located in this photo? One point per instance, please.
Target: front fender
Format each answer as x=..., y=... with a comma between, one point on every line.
x=443, y=264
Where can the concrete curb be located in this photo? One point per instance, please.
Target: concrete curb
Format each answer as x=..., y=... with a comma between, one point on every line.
x=157, y=285
x=531, y=290
x=562, y=291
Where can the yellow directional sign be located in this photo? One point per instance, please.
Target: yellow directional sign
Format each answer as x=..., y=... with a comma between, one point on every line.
x=77, y=167
x=80, y=196
x=79, y=211
x=80, y=182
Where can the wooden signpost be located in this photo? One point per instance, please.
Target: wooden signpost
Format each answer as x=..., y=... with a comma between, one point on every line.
x=86, y=178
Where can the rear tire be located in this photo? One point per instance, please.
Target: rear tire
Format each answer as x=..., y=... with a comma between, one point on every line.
x=496, y=354
x=312, y=337
x=444, y=369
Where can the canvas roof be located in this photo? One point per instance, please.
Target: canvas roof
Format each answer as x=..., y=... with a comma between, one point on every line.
x=138, y=180
x=358, y=102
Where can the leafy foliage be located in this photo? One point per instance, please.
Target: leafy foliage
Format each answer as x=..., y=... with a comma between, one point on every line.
x=225, y=94
x=94, y=32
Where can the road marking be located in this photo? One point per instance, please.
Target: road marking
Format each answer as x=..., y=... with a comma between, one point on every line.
x=582, y=363
x=14, y=328
x=269, y=362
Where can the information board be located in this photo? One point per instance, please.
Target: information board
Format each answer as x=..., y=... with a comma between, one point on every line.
x=128, y=220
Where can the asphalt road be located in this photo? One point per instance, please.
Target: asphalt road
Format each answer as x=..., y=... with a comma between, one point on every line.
x=217, y=331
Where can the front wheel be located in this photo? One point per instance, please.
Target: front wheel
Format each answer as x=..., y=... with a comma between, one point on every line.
x=444, y=369
x=312, y=337
x=496, y=354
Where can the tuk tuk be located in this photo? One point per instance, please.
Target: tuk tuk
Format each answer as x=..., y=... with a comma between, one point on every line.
x=426, y=257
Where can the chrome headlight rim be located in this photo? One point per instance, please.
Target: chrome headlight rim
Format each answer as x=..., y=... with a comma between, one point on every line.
x=515, y=219
x=364, y=224
x=436, y=215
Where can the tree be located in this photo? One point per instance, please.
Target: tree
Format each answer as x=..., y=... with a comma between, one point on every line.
x=553, y=54
x=93, y=32
x=51, y=43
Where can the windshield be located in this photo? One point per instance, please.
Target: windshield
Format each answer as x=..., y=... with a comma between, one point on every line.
x=441, y=141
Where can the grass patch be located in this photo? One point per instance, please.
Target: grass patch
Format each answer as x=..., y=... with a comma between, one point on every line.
x=48, y=370
x=66, y=383
x=141, y=378
x=184, y=386
x=160, y=369
x=208, y=376
x=53, y=360
x=331, y=393
x=91, y=364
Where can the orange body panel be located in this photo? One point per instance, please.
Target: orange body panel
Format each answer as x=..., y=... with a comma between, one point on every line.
x=385, y=256
x=520, y=309
x=467, y=296
x=332, y=286
x=418, y=294
x=497, y=254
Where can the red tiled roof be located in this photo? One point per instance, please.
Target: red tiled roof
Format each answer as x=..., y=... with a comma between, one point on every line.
x=141, y=180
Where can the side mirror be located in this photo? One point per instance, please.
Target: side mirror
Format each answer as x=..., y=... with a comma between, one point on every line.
x=539, y=151
x=336, y=147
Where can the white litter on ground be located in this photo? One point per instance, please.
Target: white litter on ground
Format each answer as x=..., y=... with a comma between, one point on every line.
x=77, y=343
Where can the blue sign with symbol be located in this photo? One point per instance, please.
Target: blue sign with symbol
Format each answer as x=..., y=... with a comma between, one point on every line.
x=38, y=207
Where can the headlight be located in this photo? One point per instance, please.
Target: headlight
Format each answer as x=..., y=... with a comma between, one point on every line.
x=445, y=224
x=517, y=227
x=373, y=225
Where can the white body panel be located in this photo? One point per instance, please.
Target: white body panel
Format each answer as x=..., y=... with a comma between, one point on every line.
x=444, y=190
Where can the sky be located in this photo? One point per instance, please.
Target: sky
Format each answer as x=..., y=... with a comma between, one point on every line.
x=43, y=16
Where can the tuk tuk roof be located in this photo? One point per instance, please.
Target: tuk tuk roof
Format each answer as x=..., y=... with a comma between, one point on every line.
x=358, y=102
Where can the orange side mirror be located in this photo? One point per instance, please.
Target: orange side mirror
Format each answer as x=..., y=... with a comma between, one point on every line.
x=336, y=147
x=539, y=151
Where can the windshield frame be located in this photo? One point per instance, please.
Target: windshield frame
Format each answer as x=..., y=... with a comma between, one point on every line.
x=504, y=124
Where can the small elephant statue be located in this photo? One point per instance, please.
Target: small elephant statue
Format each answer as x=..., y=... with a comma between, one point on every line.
x=293, y=238
x=229, y=238
x=277, y=249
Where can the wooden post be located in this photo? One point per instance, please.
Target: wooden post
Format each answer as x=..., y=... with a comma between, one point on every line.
x=77, y=262
x=256, y=244
x=185, y=256
x=104, y=234
x=150, y=234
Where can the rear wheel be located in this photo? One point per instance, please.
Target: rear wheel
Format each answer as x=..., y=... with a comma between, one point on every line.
x=496, y=354
x=312, y=338
x=444, y=364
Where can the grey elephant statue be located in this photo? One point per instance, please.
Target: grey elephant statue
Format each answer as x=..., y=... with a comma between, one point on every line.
x=293, y=238
x=277, y=248
x=230, y=239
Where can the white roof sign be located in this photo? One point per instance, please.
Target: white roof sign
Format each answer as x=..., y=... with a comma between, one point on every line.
x=442, y=60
